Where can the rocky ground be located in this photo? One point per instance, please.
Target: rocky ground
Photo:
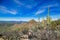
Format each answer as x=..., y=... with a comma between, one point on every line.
x=38, y=35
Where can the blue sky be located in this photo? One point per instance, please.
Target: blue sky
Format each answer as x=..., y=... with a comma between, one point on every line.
x=25, y=10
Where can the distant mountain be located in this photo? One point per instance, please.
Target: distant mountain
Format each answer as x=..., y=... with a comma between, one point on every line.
x=12, y=22
x=30, y=24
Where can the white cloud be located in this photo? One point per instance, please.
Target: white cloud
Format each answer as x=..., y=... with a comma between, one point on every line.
x=39, y=12
x=5, y=10
x=22, y=4
x=51, y=5
x=16, y=19
x=12, y=12
x=18, y=2
x=31, y=5
x=55, y=17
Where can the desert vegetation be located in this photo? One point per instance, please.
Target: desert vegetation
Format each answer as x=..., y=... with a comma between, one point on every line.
x=31, y=30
